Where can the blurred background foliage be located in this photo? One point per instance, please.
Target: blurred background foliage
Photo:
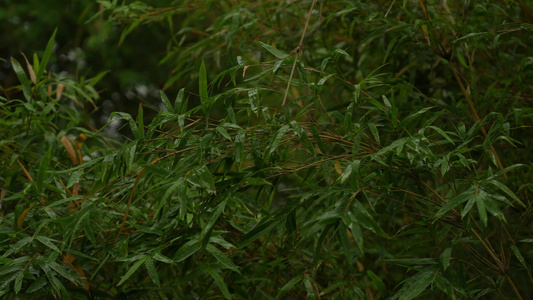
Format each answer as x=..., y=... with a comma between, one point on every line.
x=335, y=149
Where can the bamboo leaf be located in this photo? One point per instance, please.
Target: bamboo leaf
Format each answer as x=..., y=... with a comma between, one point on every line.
x=202, y=86
x=48, y=242
x=132, y=270
x=415, y=285
x=26, y=88
x=277, y=53
x=187, y=250
x=140, y=123
x=256, y=232
x=212, y=220
x=220, y=283
x=274, y=142
x=222, y=258
x=165, y=101
x=507, y=191
x=152, y=272
x=46, y=56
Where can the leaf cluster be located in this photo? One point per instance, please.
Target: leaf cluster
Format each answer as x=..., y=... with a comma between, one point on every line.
x=345, y=150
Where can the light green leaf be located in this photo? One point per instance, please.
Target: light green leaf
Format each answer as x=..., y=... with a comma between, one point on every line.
x=165, y=101
x=277, y=53
x=180, y=107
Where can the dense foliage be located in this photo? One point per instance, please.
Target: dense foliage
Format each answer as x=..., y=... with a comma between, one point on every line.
x=319, y=149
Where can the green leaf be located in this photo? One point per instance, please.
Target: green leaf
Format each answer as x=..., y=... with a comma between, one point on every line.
x=26, y=88
x=508, y=191
x=442, y=133
x=220, y=283
x=165, y=101
x=351, y=168
x=415, y=285
x=43, y=169
x=256, y=181
x=46, y=56
x=133, y=269
x=377, y=281
x=480, y=201
x=412, y=117
x=466, y=36
x=274, y=142
x=455, y=202
x=17, y=246
x=223, y=132
x=256, y=232
x=152, y=272
x=97, y=78
x=48, y=242
x=365, y=219
x=277, y=53
x=187, y=250
x=374, y=131
x=239, y=148
x=202, y=86
x=311, y=293
x=37, y=285
x=140, y=123
x=351, y=222
x=519, y=256
x=204, y=179
x=180, y=107
x=18, y=282
x=222, y=258
x=253, y=100
x=212, y=220
x=289, y=285
x=445, y=258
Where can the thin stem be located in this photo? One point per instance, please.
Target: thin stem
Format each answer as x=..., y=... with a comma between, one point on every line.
x=298, y=51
